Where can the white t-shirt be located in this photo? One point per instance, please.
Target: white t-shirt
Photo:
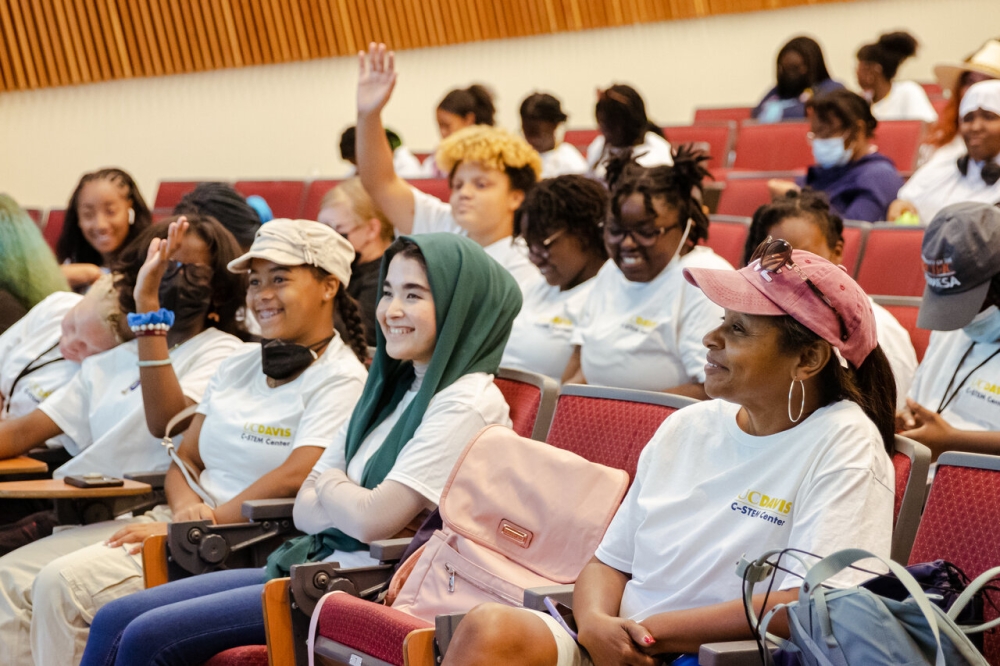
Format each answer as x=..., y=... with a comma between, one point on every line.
x=706, y=493
x=101, y=409
x=653, y=151
x=34, y=341
x=541, y=335
x=452, y=419
x=939, y=183
x=906, y=101
x=431, y=215
x=562, y=160
x=647, y=335
x=898, y=348
x=251, y=428
x=976, y=405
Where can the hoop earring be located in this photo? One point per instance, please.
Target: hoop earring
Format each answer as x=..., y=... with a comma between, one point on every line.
x=131, y=216
x=802, y=406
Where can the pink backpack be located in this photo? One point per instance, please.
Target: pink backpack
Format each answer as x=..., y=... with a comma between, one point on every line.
x=517, y=514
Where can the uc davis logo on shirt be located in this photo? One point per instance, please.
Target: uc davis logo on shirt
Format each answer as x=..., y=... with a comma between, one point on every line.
x=261, y=433
x=755, y=504
x=639, y=324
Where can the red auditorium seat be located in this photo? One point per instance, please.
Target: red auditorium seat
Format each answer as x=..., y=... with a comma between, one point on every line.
x=933, y=90
x=727, y=234
x=248, y=655
x=437, y=187
x=53, y=226
x=719, y=138
x=899, y=140
x=736, y=113
x=905, y=309
x=581, y=138
x=855, y=235
x=170, y=192
x=743, y=196
x=609, y=426
x=940, y=104
x=961, y=524
x=777, y=147
x=531, y=398
x=314, y=197
x=284, y=197
x=891, y=262
x=36, y=215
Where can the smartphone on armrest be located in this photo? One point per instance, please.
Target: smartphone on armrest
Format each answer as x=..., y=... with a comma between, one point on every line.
x=93, y=481
x=563, y=614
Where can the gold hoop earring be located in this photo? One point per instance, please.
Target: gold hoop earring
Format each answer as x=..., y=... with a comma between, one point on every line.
x=802, y=405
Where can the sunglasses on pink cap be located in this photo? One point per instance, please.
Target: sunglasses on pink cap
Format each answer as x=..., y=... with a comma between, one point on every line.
x=774, y=254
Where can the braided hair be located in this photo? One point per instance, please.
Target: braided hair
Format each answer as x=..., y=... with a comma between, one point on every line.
x=808, y=204
x=350, y=317
x=680, y=185
x=72, y=246
x=575, y=203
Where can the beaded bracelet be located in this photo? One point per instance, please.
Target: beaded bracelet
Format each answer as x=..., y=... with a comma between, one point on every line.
x=151, y=323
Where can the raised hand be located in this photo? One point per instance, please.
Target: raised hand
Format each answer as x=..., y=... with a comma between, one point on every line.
x=147, y=283
x=376, y=78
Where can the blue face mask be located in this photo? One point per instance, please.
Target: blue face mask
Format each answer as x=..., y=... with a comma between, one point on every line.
x=830, y=152
x=985, y=327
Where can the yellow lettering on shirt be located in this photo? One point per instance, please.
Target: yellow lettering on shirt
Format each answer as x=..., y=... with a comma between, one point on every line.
x=987, y=387
x=264, y=429
x=761, y=500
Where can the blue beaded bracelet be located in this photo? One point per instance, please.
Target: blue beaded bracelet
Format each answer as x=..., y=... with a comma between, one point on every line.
x=159, y=319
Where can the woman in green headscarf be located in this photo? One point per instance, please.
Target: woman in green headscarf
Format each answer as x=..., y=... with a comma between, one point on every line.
x=444, y=319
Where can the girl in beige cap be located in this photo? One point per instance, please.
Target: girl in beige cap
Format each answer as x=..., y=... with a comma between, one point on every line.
x=267, y=415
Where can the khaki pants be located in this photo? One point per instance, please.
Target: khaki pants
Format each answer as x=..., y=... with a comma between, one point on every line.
x=50, y=591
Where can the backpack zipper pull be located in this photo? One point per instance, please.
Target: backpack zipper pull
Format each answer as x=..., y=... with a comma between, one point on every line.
x=451, y=577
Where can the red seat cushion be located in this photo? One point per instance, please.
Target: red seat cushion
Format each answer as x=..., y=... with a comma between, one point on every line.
x=609, y=432
x=248, y=655
x=370, y=628
x=906, y=315
x=961, y=524
x=523, y=400
x=736, y=113
x=727, y=239
x=283, y=197
x=778, y=147
x=717, y=136
x=902, y=463
x=743, y=196
x=581, y=139
x=314, y=197
x=891, y=264
x=170, y=192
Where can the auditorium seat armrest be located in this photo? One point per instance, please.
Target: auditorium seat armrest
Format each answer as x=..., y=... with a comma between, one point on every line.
x=534, y=597
x=732, y=653
x=389, y=550
x=155, y=479
x=268, y=509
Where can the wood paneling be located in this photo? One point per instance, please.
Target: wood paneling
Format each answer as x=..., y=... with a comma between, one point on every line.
x=45, y=43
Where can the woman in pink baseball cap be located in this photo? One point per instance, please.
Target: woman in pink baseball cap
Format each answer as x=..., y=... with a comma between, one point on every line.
x=792, y=452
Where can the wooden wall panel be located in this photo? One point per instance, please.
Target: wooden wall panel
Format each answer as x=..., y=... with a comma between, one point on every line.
x=45, y=43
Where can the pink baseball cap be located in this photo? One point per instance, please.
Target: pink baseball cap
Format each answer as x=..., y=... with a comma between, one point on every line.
x=758, y=292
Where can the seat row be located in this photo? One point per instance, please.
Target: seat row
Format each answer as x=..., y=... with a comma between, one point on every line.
x=609, y=426
x=747, y=145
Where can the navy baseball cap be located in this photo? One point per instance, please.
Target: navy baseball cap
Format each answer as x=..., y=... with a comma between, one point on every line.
x=960, y=255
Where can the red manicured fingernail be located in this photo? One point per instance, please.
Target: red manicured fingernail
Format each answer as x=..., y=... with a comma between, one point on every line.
x=648, y=640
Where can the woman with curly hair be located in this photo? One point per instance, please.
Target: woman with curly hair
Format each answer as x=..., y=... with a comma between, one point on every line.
x=643, y=323
x=490, y=171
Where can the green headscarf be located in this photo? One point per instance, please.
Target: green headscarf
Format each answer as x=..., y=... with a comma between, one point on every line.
x=475, y=301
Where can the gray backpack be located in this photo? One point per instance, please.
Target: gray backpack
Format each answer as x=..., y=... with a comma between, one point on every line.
x=854, y=626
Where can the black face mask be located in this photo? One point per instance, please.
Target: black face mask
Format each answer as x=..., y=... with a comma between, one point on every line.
x=790, y=86
x=186, y=290
x=281, y=360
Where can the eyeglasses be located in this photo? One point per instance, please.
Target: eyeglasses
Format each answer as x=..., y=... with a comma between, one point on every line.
x=774, y=254
x=542, y=249
x=195, y=274
x=644, y=236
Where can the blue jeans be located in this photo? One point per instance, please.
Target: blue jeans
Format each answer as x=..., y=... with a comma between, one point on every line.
x=185, y=622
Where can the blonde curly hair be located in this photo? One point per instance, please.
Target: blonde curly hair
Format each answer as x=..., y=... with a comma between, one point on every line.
x=492, y=147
